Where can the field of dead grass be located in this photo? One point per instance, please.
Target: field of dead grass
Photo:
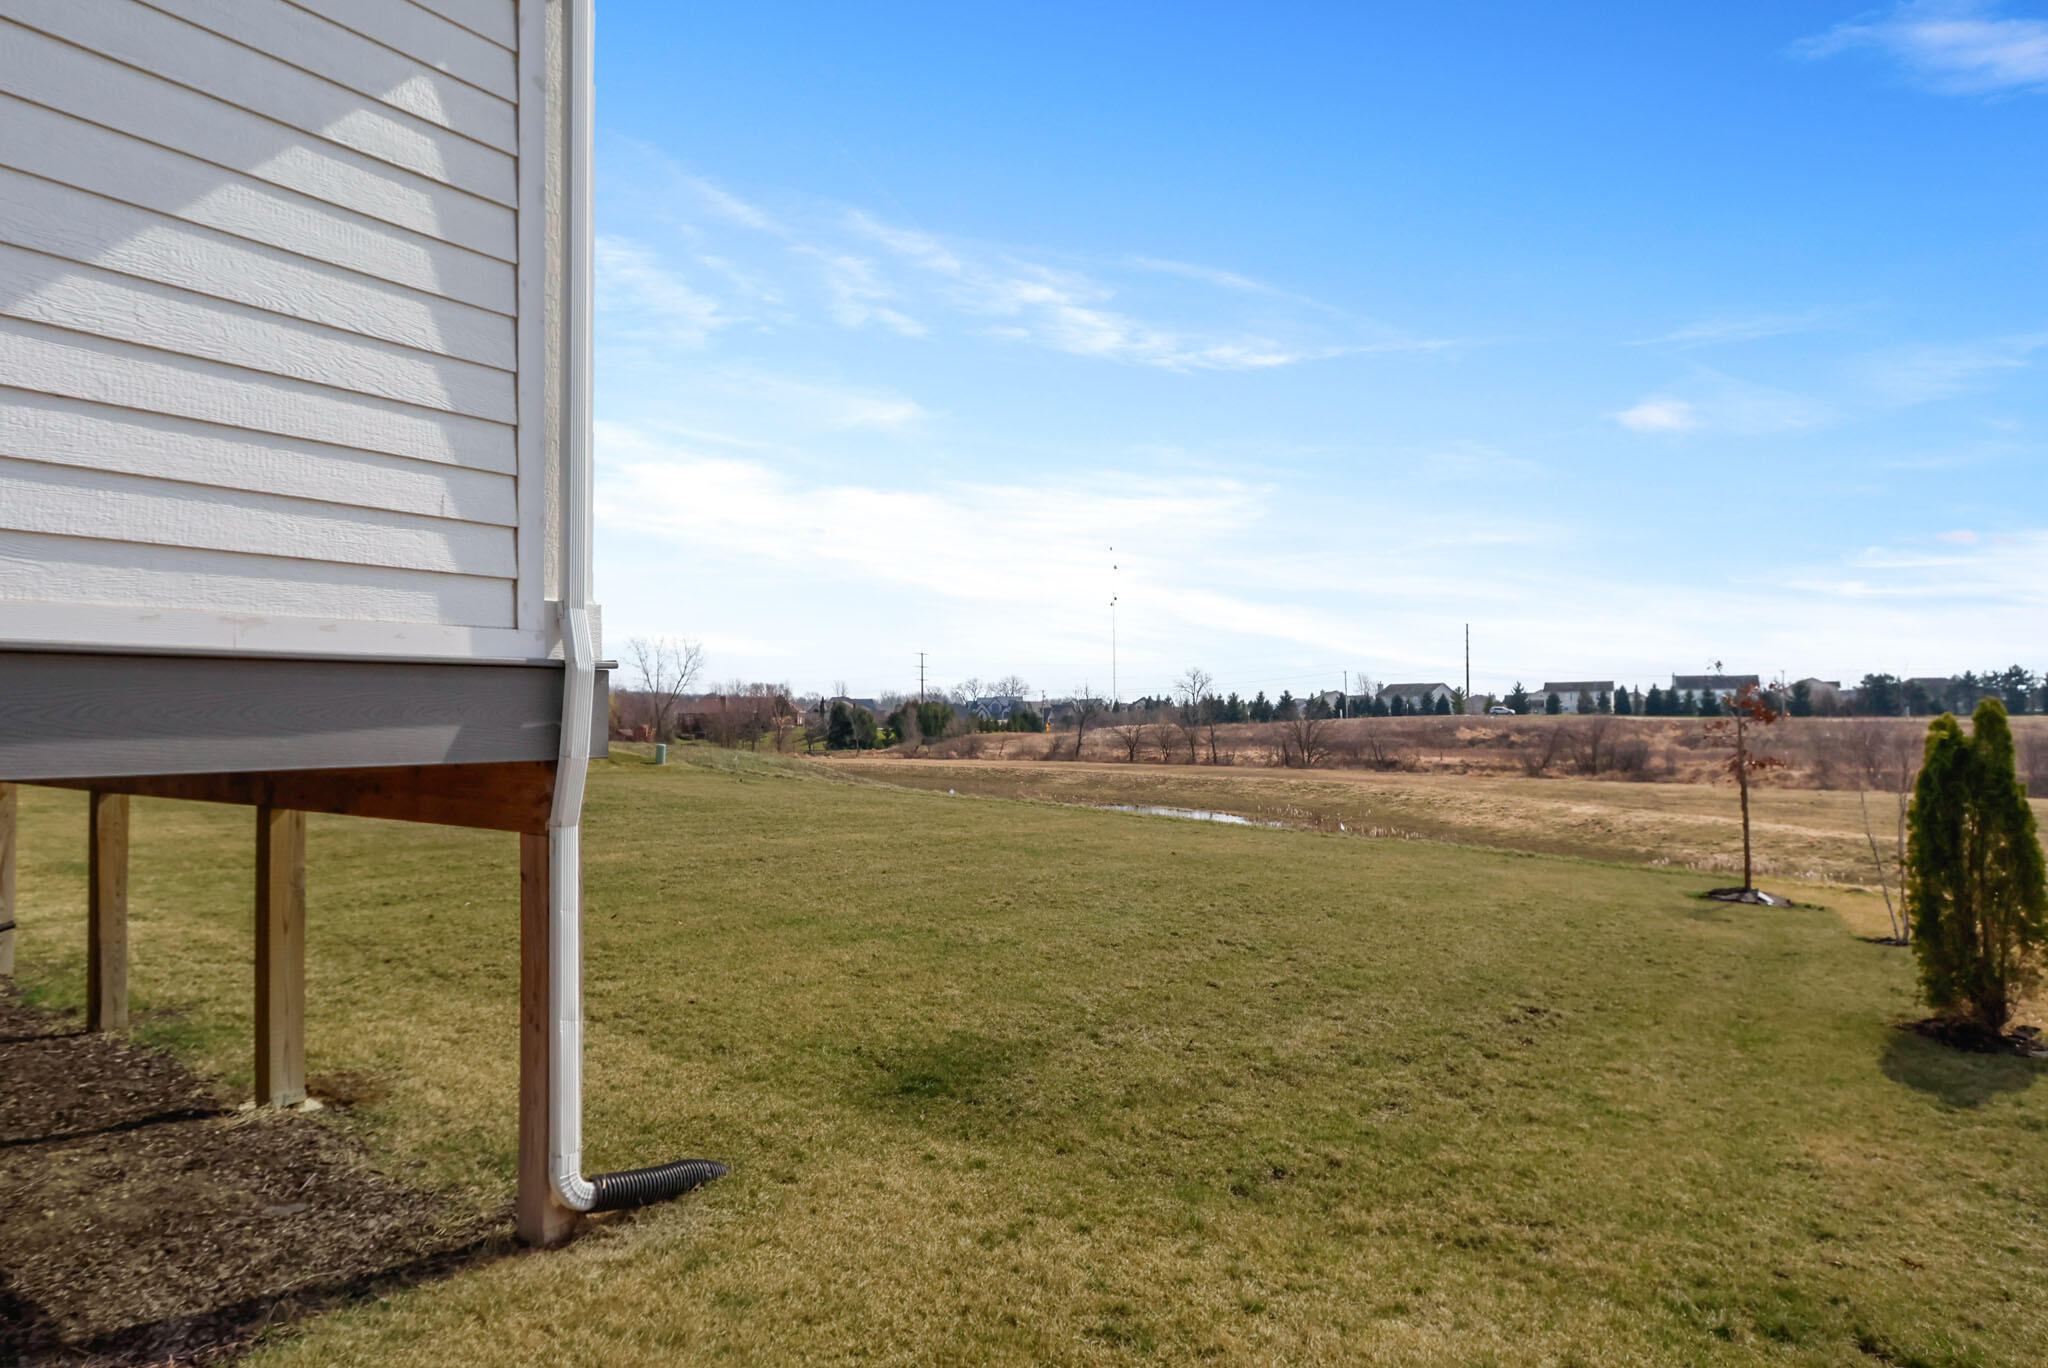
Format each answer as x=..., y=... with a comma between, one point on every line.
x=1876, y=754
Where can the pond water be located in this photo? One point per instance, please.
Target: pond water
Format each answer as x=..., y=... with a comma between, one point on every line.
x=1189, y=814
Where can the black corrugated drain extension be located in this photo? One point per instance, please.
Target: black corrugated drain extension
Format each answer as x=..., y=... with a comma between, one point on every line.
x=637, y=1187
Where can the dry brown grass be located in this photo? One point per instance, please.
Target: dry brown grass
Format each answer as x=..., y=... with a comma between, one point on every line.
x=1816, y=753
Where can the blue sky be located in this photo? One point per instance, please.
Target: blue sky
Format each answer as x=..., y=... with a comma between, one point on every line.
x=1636, y=336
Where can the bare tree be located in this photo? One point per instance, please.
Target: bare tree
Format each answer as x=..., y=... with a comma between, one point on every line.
x=1131, y=736
x=1305, y=740
x=665, y=668
x=1191, y=702
x=1886, y=757
x=1086, y=709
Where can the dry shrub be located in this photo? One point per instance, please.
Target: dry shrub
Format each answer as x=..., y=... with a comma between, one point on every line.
x=2031, y=759
x=1544, y=750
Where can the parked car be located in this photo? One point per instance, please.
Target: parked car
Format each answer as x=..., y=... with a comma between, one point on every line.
x=1497, y=711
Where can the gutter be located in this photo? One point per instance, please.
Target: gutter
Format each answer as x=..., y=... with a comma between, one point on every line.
x=632, y=1187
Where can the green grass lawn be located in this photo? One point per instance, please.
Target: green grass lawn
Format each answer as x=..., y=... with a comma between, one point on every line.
x=1007, y=1082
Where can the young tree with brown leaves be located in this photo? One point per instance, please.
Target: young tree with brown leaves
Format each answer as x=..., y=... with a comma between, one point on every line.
x=1746, y=709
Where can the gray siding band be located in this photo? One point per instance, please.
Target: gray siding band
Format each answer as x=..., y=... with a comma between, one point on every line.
x=71, y=715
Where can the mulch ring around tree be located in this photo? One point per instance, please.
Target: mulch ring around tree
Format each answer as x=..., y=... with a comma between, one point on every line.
x=1755, y=897
x=1969, y=1036
x=143, y=1219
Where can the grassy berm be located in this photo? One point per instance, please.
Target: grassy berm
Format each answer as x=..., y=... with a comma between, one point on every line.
x=1007, y=1082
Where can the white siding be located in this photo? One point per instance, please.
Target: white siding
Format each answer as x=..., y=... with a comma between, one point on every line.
x=261, y=323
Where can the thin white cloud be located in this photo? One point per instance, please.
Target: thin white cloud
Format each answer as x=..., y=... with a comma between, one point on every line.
x=1067, y=311
x=811, y=263
x=641, y=298
x=1711, y=401
x=857, y=292
x=1659, y=415
x=819, y=405
x=1960, y=47
x=1919, y=375
x=1730, y=328
x=731, y=207
x=1208, y=275
x=2009, y=571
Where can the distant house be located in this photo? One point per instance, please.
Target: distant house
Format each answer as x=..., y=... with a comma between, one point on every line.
x=1415, y=697
x=1579, y=695
x=1059, y=711
x=996, y=707
x=1825, y=694
x=1925, y=695
x=1333, y=699
x=1723, y=684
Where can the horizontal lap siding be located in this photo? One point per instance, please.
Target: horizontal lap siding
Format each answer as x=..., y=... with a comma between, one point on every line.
x=258, y=309
x=41, y=569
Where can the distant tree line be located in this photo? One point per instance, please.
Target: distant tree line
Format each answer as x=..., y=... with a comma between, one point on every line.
x=2016, y=687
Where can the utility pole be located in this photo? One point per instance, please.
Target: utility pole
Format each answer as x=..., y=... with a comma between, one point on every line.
x=1344, y=699
x=920, y=676
x=1113, y=697
x=1468, y=664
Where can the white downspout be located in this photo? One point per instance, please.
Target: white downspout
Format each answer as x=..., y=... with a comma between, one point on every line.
x=630, y=1187
x=579, y=656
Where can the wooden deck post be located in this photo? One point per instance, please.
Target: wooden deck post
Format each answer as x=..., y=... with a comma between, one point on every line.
x=8, y=803
x=543, y=1220
x=280, y=956
x=106, y=917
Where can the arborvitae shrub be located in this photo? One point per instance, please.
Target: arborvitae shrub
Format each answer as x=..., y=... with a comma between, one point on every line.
x=1975, y=883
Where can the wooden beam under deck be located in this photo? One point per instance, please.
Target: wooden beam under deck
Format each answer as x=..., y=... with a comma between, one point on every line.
x=8, y=805
x=513, y=796
x=106, y=916
x=280, y=957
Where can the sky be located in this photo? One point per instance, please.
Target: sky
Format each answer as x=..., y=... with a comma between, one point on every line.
x=1636, y=337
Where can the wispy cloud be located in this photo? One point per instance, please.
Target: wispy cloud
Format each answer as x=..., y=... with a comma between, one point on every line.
x=829, y=407
x=643, y=299
x=1960, y=47
x=1205, y=569
x=1069, y=311
x=710, y=256
x=857, y=293
x=1659, y=415
x=1919, y=375
x=2009, y=570
x=1729, y=328
x=1712, y=401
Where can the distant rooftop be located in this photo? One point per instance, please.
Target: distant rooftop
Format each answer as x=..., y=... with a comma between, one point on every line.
x=1725, y=683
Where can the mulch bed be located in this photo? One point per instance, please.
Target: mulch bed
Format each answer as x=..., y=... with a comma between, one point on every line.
x=143, y=1219
x=1966, y=1035
x=1755, y=897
